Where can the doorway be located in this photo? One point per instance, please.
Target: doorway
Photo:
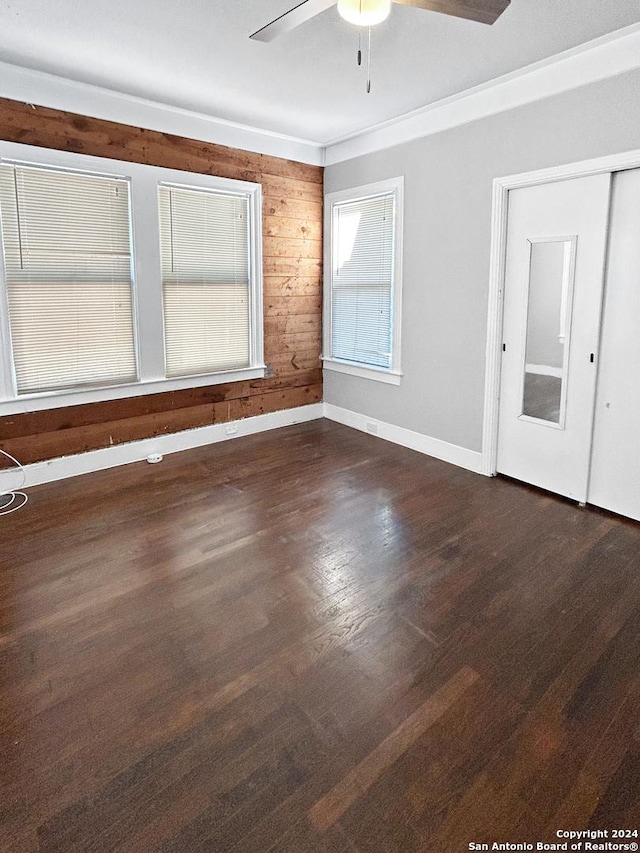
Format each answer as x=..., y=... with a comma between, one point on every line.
x=561, y=411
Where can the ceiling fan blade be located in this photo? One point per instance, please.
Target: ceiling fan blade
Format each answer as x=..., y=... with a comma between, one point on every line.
x=290, y=20
x=483, y=11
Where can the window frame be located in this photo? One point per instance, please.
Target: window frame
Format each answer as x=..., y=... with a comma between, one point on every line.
x=391, y=375
x=12, y=381
x=148, y=316
x=254, y=332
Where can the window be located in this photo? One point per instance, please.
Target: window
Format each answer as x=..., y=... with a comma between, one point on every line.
x=67, y=260
x=363, y=282
x=205, y=279
x=121, y=279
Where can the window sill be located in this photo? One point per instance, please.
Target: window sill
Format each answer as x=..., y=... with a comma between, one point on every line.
x=378, y=374
x=62, y=399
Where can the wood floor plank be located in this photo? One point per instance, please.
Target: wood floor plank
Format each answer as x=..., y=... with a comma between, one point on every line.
x=358, y=781
x=313, y=640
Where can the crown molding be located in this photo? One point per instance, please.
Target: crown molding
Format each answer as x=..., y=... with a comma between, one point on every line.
x=607, y=56
x=49, y=90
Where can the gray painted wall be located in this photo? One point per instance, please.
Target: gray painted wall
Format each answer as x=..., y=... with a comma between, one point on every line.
x=448, y=180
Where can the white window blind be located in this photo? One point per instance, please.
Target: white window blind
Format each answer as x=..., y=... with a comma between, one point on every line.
x=206, y=280
x=362, y=280
x=67, y=265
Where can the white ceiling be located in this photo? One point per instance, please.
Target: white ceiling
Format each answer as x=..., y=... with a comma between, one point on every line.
x=196, y=54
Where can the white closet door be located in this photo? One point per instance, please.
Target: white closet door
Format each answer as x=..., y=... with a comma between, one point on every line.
x=556, y=246
x=615, y=467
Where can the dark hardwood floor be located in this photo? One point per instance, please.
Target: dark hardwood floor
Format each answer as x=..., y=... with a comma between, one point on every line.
x=311, y=640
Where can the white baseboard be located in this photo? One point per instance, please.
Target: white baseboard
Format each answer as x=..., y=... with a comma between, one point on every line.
x=543, y=370
x=136, y=451
x=461, y=456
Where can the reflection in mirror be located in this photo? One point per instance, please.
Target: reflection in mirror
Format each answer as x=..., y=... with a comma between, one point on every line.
x=548, y=326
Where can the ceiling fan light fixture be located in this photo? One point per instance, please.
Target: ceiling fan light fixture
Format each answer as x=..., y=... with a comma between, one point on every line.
x=364, y=13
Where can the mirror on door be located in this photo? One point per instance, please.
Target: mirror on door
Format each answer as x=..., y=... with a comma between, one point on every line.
x=550, y=292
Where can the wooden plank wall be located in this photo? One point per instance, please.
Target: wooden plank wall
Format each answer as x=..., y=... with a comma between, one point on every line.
x=292, y=238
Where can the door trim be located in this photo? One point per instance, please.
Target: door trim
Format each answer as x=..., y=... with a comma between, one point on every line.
x=500, y=201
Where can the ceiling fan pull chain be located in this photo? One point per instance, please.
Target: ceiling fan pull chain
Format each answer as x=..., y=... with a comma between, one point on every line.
x=369, y=64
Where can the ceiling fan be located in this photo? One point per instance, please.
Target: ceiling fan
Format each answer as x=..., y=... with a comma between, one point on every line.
x=368, y=13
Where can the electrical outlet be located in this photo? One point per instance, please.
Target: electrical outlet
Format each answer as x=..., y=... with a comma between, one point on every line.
x=372, y=428
x=231, y=429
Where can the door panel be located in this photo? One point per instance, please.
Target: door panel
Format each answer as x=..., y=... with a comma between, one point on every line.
x=556, y=245
x=615, y=469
